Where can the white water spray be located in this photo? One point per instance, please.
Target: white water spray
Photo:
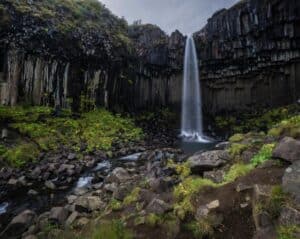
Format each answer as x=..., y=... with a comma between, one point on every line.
x=191, y=117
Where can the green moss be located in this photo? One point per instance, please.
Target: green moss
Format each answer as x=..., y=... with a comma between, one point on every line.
x=288, y=232
x=21, y=154
x=184, y=192
x=132, y=197
x=115, y=205
x=288, y=127
x=236, y=149
x=183, y=169
x=202, y=228
x=237, y=170
x=263, y=155
x=153, y=220
x=236, y=138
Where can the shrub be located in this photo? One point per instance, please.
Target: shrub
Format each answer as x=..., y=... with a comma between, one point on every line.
x=236, y=138
x=288, y=232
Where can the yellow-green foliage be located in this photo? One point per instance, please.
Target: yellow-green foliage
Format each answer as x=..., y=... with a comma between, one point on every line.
x=21, y=154
x=132, y=197
x=236, y=138
x=153, y=220
x=256, y=122
x=288, y=232
x=184, y=191
x=99, y=129
x=274, y=203
x=288, y=127
x=115, y=205
x=237, y=149
x=183, y=169
x=263, y=155
x=237, y=170
x=202, y=228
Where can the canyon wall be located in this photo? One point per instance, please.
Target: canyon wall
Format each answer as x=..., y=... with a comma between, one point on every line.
x=249, y=59
x=250, y=56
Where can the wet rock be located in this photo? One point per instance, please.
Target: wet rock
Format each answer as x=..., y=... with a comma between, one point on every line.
x=222, y=146
x=12, y=182
x=291, y=181
x=201, y=162
x=88, y=204
x=289, y=216
x=158, y=207
x=19, y=224
x=65, y=168
x=217, y=176
x=288, y=149
x=118, y=175
x=121, y=192
x=50, y=185
x=72, y=156
x=58, y=215
x=111, y=187
x=160, y=185
x=72, y=218
x=32, y=192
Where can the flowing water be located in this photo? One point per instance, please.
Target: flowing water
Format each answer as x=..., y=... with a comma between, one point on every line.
x=191, y=119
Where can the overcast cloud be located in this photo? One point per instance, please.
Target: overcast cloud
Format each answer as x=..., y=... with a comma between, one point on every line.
x=187, y=16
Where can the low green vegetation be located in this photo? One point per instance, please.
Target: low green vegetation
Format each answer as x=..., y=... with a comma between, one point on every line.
x=184, y=192
x=236, y=171
x=288, y=232
x=287, y=127
x=263, y=155
x=256, y=121
x=201, y=228
x=132, y=197
x=97, y=130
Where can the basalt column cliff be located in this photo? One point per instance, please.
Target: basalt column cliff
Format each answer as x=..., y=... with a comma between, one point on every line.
x=58, y=55
x=251, y=56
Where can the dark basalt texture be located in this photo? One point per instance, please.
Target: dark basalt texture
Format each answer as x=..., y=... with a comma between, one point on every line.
x=249, y=57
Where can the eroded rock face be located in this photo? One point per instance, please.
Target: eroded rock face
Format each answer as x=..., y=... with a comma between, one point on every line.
x=288, y=149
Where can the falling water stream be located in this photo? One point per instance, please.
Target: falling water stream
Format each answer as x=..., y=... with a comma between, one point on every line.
x=191, y=119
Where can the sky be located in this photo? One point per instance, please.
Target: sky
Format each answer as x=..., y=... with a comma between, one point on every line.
x=187, y=16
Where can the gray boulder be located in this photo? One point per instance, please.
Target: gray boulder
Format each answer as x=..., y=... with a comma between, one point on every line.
x=289, y=216
x=291, y=181
x=288, y=149
x=118, y=175
x=19, y=224
x=58, y=215
x=201, y=162
x=88, y=204
x=158, y=207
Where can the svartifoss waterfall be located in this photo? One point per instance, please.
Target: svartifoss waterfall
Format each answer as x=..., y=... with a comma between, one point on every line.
x=191, y=121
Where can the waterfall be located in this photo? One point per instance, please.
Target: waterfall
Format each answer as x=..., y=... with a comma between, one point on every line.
x=191, y=117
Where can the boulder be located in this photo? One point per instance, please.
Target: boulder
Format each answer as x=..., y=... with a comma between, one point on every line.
x=19, y=224
x=291, y=181
x=266, y=233
x=71, y=218
x=158, y=207
x=50, y=185
x=118, y=175
x=288, y=149
x=201, y=162
x=88, y=204
x=216, y=176
x=58, y=215
x=289, y=216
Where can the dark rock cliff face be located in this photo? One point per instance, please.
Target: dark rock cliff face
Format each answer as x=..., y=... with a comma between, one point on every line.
x=250, y=56
x=49, y=57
